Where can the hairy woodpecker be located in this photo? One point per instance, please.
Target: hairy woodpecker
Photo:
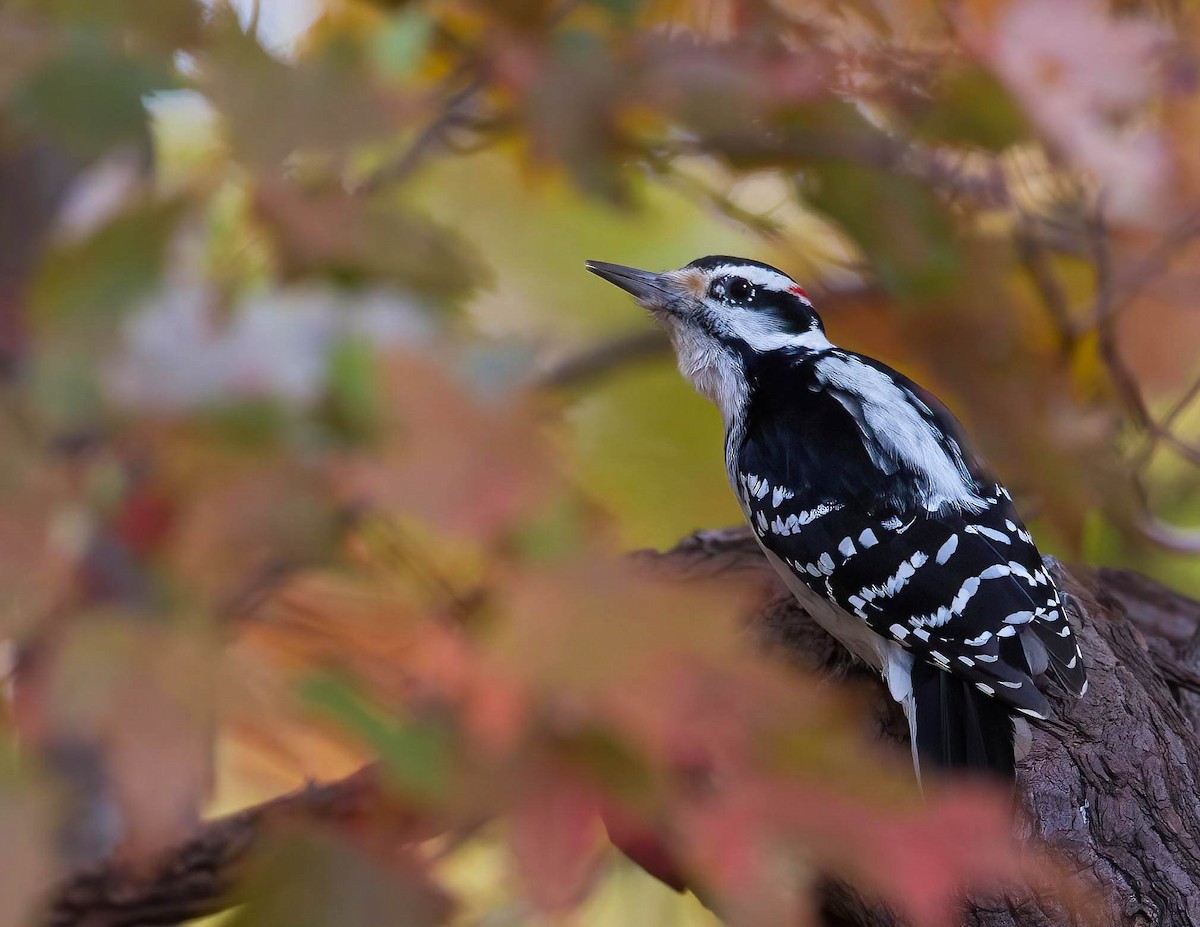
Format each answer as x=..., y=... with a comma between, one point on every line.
x=866, y=498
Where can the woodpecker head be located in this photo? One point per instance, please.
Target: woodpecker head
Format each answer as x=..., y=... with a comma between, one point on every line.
x=723, y=313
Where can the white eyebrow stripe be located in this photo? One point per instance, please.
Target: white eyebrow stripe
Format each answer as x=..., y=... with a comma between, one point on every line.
x=759, y=276
x=761, y=331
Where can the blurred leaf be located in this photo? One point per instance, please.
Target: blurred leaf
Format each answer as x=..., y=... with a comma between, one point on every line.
x=27, y=848
x=554, y=832
x=913, y=858
x=398, y=47
x=242, y=520
x=623, y=9
x=522, y=15
x=89, y=99
x=607, y=760
x=25, y=47
x=1087, y=74
x=358, y=239
x=65, y=389
x=973, y=108
x=324, y=102
x=165, y=25
x=467, y=465
x=249, y=423
x=143, y=693
x=649, y=451
x=416, y=755
x=579, y=630
x=107, y=273
x=33, y=569
x=558, y=532
x=317, y=880
x=572, y=114
x=904, y=233
x=869, y=10
x=353, y=403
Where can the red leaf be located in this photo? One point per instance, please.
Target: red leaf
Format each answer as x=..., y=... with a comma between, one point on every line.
x=642, y=843
x=553, y=834
x=143, y=520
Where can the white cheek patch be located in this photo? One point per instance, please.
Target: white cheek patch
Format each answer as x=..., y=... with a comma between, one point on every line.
x=763, y=333
x=759, y=330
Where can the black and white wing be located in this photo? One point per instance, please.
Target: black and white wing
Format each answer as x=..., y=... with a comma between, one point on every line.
x=899, y=528
x=962, y=591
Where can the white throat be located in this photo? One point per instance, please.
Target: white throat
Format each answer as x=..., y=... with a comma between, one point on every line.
x=713, y=370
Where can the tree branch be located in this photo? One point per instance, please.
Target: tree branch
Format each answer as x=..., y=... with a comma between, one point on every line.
x=200, y=875
x=1112, y=785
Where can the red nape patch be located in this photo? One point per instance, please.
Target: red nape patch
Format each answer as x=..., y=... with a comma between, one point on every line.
x=798, y=291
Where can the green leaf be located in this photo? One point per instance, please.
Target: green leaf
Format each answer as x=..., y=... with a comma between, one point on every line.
x=415, y=754
x=352, y=407
x=974, y=109
x=902, y=230
x=253, y=425
x=623, y=10
x=108, y=273
x=318, y=880
x=325, y=103
x=608, y=760
x=398, y=48
x=554, y=534
x=65, y=389
x=89, y=99
x=649, y=451
x=353, y=240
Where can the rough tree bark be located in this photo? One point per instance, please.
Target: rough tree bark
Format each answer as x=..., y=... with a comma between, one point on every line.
x=1111, y=785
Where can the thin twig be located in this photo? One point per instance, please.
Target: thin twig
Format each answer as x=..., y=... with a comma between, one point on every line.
x=197, y=878
x=1152, y=265
x=452, y=112
x=1181, y=405
x=665, y=167
x=590, y=365
x=1170, y=537
x=1033, y=257
x=1129, y=393
x=428, y=137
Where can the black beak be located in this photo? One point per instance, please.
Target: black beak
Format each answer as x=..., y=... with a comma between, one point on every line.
x=644, y=286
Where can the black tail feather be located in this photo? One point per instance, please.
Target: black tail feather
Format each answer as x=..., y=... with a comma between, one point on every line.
x=957, y=727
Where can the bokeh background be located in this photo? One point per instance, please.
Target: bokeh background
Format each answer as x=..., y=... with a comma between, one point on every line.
x=320, y=447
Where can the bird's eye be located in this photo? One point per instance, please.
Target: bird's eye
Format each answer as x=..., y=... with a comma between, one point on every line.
x=736, y=290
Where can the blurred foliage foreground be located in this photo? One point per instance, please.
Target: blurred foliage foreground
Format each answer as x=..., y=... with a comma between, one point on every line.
x=319, y=447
